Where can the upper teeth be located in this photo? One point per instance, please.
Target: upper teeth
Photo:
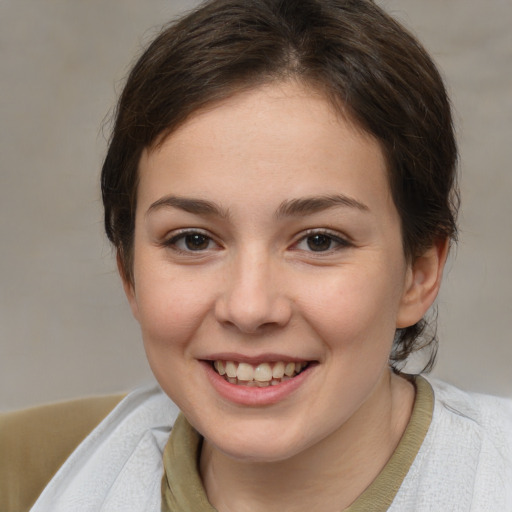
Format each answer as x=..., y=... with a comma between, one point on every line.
x=263, y=372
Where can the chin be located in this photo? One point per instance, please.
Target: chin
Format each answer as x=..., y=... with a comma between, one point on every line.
x=259, y=442
x=263, y=452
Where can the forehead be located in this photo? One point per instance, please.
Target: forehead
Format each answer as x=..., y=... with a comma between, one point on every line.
x=278, y=137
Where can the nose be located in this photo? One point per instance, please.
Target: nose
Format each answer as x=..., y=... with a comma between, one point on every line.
x=253, y=299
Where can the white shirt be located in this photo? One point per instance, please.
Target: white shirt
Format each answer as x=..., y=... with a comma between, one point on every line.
x=463, y=465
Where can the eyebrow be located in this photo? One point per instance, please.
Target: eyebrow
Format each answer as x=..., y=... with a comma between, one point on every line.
x=308, y=205
x=190, y=205
x=293, y=207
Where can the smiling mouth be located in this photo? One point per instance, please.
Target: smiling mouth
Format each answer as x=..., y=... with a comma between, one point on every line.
x=260, y=375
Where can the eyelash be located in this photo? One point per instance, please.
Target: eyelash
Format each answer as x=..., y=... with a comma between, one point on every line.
x=182, y=235
x=328, y=236
x=331, y=237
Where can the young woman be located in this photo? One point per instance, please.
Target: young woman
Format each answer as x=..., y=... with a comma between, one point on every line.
x=280, y=189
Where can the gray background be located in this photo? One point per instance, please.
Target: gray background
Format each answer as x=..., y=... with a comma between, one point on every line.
x=65, y=327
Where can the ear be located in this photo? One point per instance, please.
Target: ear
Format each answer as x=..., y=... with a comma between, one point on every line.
x=128, y=285
x=422, y=284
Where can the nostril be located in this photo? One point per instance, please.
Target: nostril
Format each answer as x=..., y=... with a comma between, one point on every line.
x=253, y=316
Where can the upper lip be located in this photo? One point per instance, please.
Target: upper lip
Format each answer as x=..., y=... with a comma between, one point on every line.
x=254, y=359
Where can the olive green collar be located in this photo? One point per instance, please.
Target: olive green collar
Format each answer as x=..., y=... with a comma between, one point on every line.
x=183, y=491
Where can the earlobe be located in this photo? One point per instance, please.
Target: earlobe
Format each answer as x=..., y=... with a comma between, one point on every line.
x=422, y=284
x=128, y=285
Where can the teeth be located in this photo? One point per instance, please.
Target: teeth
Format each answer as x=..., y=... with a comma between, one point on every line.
x=278, y=370
x=264, y=374
x=219, y=366
x=231, y=369
x=245, y=372
x=289, y=369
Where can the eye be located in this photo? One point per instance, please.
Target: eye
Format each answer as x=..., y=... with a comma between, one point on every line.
x=191, y=241
x=321, y=241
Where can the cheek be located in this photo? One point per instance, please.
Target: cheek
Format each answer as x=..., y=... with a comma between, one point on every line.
x=170, y=308
x=171, y=311
x=355, y=309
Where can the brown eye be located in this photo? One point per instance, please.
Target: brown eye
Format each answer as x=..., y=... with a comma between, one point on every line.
x=319, y=242
x=196, y=242
x=191, y=241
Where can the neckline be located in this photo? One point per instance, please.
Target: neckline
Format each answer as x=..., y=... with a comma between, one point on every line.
x=182, y=488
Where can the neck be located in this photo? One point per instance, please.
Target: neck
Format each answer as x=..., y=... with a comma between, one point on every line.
x=329, y=475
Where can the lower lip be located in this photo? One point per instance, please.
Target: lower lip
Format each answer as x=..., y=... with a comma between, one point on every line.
x=247, y=395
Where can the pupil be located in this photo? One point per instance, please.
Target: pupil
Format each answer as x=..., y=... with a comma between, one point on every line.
x=319, y=242
x=196, y=242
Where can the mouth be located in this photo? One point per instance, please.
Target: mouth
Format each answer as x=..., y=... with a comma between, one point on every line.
x=258, y=375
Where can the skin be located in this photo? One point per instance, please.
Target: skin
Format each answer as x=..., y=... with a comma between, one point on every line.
x=255, y=287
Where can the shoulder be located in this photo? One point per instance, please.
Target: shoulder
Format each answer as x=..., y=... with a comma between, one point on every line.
x=120, y=461
x=479, y=419
x=465, y=461
x=35, y=442
x=467, y=454
x=490, y=415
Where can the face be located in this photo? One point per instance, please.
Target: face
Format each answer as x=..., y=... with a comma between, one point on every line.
x=269, y=274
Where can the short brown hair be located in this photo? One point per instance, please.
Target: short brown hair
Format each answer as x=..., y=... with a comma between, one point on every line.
x=366, y=63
